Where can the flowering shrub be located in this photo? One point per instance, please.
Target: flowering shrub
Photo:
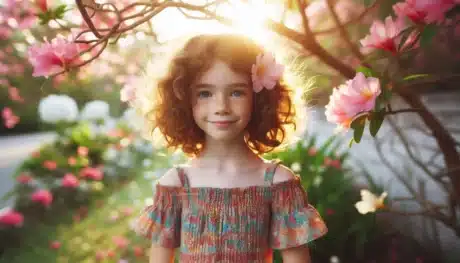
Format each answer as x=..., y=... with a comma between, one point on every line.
x=66, y=177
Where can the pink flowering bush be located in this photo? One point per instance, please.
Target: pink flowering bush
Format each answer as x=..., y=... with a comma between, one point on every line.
x=50, y=187
x=366, y=98
x=52, y=57
x=350, y=100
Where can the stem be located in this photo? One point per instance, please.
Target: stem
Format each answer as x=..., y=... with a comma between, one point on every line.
x=391, y=112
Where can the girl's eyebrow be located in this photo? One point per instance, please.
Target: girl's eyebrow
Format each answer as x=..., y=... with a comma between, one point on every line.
x=232, y=85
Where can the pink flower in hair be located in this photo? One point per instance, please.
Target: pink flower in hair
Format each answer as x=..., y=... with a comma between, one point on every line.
x=265, y=72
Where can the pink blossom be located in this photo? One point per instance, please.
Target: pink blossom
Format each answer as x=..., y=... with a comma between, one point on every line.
x=127, y=211
x=21, y=12
x=92, y=173
x=42, y=5
x=4, y=69
x=9, y=118
x=23, y=178
x=5, y=32
x=138, y=251
x=332, y=163
x=14, y=94
x=312, y=151
x=265, y=72
x=100, y=255
x=50, y=165
x=70, y=181
x=384, y=35
x=4, y=81
x=120, y=242
x=55, y=244
x=128, y=93
x=72, y=161
x=42, y=196
x=51, y=58
x=82, y=151
x=356, y=96
x=11, y=122
x=7, y=113
x=10, y=217
x=424, y=11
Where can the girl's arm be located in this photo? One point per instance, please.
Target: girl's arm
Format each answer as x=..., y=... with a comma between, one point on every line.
x=299, y=254
x=161, y=255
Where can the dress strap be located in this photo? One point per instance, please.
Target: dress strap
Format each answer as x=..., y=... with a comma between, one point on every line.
x=270, y=171
x=182, y=177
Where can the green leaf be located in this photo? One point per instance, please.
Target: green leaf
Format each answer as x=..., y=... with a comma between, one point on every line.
x=358, y=126
x=376, y=122
x=352, y=140
x=428, y=32
x=416, y=76
x=60, y=9
x=366, y=71
x=367, y=3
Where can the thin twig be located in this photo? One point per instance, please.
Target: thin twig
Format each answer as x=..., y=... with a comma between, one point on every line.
x=391, y=112
x=351, y=21
x=343, y=32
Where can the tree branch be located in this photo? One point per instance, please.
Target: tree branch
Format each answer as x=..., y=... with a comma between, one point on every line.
x=343, y=32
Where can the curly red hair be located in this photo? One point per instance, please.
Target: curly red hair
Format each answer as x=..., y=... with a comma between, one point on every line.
x=172, y=113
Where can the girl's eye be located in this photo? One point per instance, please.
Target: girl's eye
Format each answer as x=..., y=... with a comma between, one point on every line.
x=237, y=93
x=204, y=94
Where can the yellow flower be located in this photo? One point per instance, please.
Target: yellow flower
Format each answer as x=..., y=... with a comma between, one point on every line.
x=97, y=186
x=370, y=202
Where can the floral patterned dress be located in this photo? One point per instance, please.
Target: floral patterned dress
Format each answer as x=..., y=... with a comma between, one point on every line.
x=231, y=225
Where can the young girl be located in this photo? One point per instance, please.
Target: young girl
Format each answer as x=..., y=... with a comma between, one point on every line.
x=223, y=102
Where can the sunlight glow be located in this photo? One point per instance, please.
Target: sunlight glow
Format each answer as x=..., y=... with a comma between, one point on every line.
x=248, y=19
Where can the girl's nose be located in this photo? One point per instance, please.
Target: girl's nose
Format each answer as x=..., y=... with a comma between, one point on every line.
x=221, y=104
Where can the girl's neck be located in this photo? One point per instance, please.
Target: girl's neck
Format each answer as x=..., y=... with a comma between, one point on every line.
x=226, y=156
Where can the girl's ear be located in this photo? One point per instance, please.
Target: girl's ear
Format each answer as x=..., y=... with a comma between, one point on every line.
x=178, y=92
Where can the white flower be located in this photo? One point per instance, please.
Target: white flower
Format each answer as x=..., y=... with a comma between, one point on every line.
x=95, y=110
x=370, y=202
x=296, y=167
x=334, y=259
x=146, y=162
x=305, y=143
x=125, y=160
x=317, y=181
x=56, y=108
x=110, y=154
x=133, y=119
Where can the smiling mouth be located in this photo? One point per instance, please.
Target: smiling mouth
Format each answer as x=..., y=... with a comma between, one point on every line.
x=222, y=124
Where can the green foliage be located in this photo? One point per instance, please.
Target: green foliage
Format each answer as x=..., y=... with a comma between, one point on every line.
x=56, y=13
x=376, y=120
x=427, y=35
x=358, y=127
x=416, y=76
x=366, y=71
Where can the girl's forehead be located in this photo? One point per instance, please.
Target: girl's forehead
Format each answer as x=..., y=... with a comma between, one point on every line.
x=221, y=73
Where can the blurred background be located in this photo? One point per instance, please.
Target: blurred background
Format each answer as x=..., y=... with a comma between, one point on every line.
x=75, y=170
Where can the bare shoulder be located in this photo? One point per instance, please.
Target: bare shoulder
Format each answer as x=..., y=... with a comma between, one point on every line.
x=170, y=178
x=283, y=174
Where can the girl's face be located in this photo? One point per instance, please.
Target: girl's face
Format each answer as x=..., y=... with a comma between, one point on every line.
x=222, y=102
